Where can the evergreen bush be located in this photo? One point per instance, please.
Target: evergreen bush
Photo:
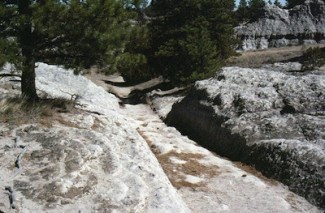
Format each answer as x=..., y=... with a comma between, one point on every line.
x=190, y=38
x=313, y=58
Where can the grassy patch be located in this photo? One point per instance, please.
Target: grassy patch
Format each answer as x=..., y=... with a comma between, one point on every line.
x=255, y=59
x=177, y=172
x=253, y=171
x=193, y=167
x=18, y=111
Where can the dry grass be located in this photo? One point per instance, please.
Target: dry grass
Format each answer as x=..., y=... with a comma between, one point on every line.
x=255, y=59
x=6, y=86
x=291, y=199
x=251, y=170
x=97, y=124
x=17, y=111
x=64, y=121
x=177, y=172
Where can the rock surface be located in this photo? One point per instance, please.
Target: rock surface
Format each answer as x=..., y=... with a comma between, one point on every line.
x=273, y=120
x=207, y=182
x=97, y=159
x=92, y=161
x=303, y=24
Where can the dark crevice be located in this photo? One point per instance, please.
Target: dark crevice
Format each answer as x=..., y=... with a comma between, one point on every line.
x=287, y=109
x=300, y=37
x=201, y=124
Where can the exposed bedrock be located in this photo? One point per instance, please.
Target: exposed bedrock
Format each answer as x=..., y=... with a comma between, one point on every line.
x=303, y=24
x=273, y=120
x=89, y=159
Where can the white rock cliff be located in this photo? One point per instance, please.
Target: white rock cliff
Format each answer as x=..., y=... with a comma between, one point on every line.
x=303, y=24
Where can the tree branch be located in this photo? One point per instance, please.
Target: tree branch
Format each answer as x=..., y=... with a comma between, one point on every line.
x=12, y=196
x=51, y=43
x=10, y=1
x=9, y=75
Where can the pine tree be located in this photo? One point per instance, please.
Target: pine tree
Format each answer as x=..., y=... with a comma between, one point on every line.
x=256, y=9
x=201, y=51
x=189, y=37
x=277, y=3
x=292, y=3
x=242, y=11
x=131, y=60
x=71, y=33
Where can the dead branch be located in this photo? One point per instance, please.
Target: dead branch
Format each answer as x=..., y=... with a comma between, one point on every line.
x=20, y=156
x=9, y=75
x=12, y=196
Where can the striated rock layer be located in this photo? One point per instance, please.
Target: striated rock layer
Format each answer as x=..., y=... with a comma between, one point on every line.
x=303, y=24
x=274, y=120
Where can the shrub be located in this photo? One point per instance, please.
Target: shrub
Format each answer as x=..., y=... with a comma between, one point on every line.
x=133, y=67
x=313, y=58
x=17, y=111
x=190, y=38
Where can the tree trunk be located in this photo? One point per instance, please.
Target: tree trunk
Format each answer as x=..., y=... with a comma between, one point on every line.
x=28, y=88
x=26, y=40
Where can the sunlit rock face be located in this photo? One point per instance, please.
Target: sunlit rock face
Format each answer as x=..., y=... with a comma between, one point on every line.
x=303, y=24
x=274, y=120
x=90, y=160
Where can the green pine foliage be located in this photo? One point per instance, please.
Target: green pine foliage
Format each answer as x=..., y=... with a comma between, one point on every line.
x=313, y=58
x=8, y=44
x=133, y=67
x=242, y=13
x=277, y=3
x=8, y=52
x=132, y=61
x=256, y=9
x=250, y=11
x=84, y=33
x=189, y=38
x=292, y=3
x=73, y=33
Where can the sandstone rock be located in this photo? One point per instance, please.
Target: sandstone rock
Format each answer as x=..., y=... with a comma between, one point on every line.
x=93, y=161
x=303, y=24
x=273, y=120
x=207, y=182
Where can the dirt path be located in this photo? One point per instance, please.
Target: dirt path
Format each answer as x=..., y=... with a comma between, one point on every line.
x=209, y=183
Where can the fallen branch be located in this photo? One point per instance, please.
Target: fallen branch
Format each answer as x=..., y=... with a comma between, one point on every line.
x=20, y=156
x=9, y=75
x=74, y=98
x=12, y=196
x=17, y=141
x=93, y=112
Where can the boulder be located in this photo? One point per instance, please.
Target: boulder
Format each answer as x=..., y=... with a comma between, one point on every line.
x=301, y=25
x=274, y=120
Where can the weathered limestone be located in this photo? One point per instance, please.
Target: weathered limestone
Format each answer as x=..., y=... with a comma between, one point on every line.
x=274, y=120
x=301, y=25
